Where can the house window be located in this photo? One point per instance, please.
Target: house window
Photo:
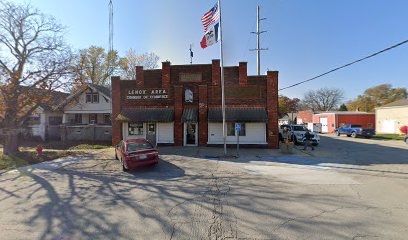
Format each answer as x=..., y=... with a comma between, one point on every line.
x=33, y=121
x=135, y=129
x=92, y=98
x=231, y=129
x=93, y=118
x=78, y=118
x=107, y=119
x=53, y=121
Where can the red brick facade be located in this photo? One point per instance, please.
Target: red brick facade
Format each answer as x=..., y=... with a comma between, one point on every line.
x=204, y=81
x=305, y=117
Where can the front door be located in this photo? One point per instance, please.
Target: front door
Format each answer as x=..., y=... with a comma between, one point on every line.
x=151, y=133
x=190, y=134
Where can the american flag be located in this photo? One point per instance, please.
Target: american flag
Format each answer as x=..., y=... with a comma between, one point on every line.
x=211, y=17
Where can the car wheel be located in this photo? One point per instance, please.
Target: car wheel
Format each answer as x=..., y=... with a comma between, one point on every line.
x=337, y=133
x=348, y=135
x=124, y=167
x=353, y=134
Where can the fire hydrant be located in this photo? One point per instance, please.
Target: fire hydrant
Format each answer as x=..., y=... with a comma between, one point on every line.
x=39, y=150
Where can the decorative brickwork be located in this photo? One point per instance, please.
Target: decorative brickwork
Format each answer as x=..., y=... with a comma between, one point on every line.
x=167, y=88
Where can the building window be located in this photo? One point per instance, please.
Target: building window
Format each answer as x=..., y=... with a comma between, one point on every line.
x=92, y=98
x=53, y=121
x=78, y=118
x=135, y=129
x=107, y=119
x=93, y=118
x=33, y=121
x=231, y=129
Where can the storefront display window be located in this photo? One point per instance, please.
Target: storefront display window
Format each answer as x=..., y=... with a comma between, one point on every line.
x=135, y=129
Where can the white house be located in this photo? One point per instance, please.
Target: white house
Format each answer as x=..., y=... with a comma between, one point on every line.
x=45, y=120
x=87, y=114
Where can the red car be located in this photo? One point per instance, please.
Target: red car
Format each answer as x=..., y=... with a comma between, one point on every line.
x=136, y=153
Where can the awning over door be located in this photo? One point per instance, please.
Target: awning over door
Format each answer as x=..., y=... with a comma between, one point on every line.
x=146, y=115
x=238, y=115
x=189, y=115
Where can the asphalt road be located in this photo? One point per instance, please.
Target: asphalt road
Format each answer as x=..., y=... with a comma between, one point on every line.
x=345, y=189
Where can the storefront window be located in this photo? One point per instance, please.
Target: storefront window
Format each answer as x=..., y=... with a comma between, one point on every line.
x=135, y=129
x=231, y=129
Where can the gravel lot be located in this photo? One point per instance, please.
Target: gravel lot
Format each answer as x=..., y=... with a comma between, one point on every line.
x=345, y=189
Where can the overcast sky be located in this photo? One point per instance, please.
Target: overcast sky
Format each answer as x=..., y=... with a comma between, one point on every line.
x=305, y=38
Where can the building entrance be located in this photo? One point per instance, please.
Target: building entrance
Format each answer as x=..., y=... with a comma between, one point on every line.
x=190, y=134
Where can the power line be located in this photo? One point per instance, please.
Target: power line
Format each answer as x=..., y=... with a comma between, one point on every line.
x=346, y=65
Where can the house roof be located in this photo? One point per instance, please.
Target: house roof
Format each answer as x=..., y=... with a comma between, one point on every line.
x=101, y=89
x=398, y=103
x=55, y=97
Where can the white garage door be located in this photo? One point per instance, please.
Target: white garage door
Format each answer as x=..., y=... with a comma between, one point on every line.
x=388, y=126
x=325, y=128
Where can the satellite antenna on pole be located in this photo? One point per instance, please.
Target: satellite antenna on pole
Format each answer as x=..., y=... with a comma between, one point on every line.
x=191, y=53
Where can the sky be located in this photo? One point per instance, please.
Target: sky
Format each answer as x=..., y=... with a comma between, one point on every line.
x=304, y=38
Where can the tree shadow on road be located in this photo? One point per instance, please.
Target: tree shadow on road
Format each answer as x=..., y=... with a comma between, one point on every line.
x=95, y=200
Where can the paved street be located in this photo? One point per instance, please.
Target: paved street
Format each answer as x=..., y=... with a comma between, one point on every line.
x=345, y=189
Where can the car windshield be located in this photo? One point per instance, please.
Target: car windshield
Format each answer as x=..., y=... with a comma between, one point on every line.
x=136, y=146
x=299, y=128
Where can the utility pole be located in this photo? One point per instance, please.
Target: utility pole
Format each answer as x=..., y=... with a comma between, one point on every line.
x=191, y=54
x=258, y=33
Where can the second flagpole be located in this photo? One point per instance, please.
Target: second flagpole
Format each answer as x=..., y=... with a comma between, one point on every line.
x=224, y=134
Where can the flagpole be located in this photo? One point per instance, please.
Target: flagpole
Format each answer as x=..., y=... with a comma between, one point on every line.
x=224, y=134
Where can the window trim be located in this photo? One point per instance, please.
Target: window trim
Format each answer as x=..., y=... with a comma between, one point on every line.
x=141, y=133
x=93, y=97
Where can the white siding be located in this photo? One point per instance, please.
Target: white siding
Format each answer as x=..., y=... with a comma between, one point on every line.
x=255, y=134
x=165, y=132
x=79, y=105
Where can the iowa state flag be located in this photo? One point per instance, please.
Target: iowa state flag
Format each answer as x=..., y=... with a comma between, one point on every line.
x=211, y=36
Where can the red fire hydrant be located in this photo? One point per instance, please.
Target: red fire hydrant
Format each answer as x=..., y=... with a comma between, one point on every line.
x=39, y=150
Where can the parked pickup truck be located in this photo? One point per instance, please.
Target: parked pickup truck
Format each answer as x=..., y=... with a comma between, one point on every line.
x=352, y=130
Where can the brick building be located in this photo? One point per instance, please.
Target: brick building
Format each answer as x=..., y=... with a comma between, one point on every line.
x=181, y=105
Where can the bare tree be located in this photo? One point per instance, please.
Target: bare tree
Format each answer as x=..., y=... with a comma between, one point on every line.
x=33, y=55
x=131, y=60
x=323, y=99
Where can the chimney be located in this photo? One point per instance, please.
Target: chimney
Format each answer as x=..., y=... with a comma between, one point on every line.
x=139, y=77
x=243, y=75
x=165, y=74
